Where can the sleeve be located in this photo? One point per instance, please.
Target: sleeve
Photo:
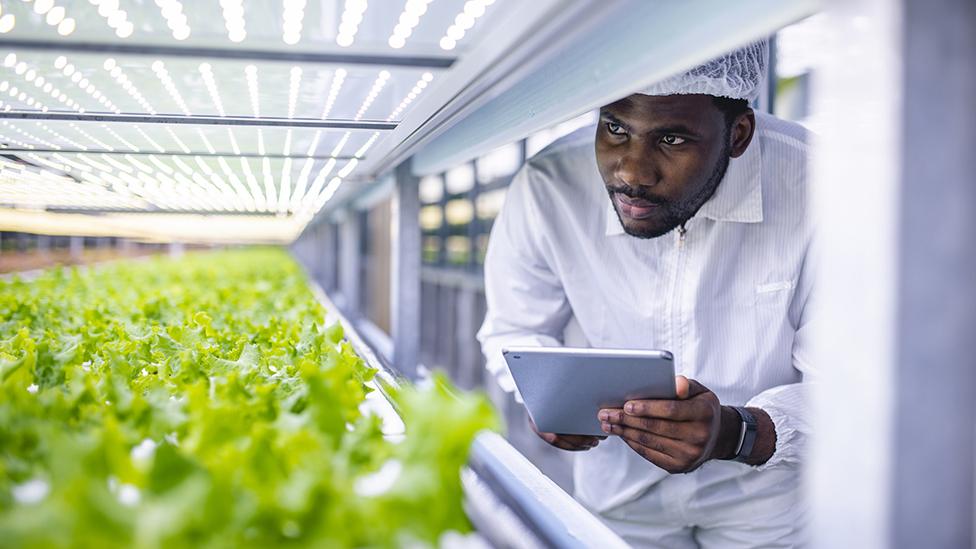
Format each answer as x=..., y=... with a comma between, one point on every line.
x=787, y=404
x=526, y=304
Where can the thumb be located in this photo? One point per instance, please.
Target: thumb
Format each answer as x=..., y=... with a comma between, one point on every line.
x=687, y=388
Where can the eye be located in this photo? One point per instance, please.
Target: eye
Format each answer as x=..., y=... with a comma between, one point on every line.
x=672, y=140
x=615, y=129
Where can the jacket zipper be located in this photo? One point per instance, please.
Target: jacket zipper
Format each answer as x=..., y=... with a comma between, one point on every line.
x=674, y=309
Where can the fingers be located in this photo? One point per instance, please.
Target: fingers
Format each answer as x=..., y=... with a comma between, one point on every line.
x=669, y=454
x=688, y=388
x=661, y=427
x=674, y=410
x=660, y=459
x=571, y=442
x=681, y=387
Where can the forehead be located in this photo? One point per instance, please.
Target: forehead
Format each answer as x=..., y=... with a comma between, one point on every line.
x=646, y=112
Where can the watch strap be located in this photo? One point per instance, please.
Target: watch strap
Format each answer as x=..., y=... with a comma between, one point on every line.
x=747, y=434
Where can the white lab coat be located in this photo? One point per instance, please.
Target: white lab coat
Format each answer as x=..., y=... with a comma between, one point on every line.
x=729, y=299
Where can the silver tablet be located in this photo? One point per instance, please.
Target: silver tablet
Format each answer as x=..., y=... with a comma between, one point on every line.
x=564, y=388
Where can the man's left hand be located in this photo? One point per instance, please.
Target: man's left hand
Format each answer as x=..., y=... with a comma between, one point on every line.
x=676, y=435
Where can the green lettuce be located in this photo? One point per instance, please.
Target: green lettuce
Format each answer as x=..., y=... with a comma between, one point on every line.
x=203, y=402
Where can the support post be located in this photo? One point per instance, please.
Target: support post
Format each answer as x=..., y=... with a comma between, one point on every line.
x=76, y=245
x=896, y=278
x=935, y=360
x=349, y=263
x=405, y=279
x=330, y=256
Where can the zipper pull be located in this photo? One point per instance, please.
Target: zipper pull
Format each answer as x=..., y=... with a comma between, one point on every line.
x=681, y=232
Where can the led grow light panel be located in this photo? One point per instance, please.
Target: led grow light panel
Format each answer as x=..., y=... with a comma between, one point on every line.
x=410, y=27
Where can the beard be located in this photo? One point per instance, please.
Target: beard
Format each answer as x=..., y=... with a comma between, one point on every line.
x=672, y=213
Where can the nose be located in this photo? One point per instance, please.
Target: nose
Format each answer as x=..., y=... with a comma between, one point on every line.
x=636, y=167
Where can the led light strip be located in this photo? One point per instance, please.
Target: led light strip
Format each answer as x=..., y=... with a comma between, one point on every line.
x=116, y=71
x=381, y=80
x=417, y=90
x=219, y=185
x=473, y=9
x=48, y=129
x=54, y=16
x=74, y=165
x=338, y=78
x=7, y=21
x=31, y=76
x=409, y=19
x=61, y=63
x=178, y=141
x=114, y=16
x=206, y=142
x=15, y=142
x=271, y=199
x=369, y=143
x=233, y=142
x=208, y=79
x=22, y=96
x=294, y=12
x=251, y=72
x=327, y=194
x=234, y=19
x=301, y=184
x=284, y=189
x=317, y=184
x=172, y=10
x=295, y=82
x=120, y=139
x=150, y=140
x=162, y=74
x=87, y=136
x=352, y=16
x=252, y=184
x=31, y=136
x=235, y=181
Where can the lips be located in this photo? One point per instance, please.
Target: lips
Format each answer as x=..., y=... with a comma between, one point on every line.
x=635, y=208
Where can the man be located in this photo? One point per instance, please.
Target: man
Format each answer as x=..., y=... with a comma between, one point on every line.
x=701, y=249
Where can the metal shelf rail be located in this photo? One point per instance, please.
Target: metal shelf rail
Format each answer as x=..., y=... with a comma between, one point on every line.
x=510, y=502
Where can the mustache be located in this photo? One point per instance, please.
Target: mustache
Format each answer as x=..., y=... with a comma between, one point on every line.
x=636, y=193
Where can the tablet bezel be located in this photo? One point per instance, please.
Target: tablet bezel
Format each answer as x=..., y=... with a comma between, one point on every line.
x=564, y=388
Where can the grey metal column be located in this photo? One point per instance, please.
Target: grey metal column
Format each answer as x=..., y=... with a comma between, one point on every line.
x=349, y=262
x=932, y=481
x=330, y=256
x=77, y=243
x=325, y=255
x=405, y=271
x=891, y=462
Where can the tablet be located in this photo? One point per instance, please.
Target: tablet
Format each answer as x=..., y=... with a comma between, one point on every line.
x=564, y=388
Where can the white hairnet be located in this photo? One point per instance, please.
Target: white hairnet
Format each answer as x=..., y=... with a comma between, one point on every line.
x=737, y=75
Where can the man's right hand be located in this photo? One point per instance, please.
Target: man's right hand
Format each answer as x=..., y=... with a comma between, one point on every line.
x=573, y=443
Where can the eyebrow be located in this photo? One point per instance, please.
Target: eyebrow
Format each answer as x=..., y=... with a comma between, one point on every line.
x=678, y=129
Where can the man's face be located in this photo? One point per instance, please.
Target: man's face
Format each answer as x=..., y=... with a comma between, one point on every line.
x=662, y=157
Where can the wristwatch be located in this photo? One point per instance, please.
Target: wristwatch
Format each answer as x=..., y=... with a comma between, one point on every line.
x=747, y=434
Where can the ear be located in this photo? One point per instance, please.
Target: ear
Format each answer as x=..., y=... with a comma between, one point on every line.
x=742, y=131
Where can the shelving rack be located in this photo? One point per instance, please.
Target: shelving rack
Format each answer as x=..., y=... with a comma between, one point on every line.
x=276, y=121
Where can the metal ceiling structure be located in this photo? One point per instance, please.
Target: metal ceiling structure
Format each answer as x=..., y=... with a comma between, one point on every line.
x=219, y=107
x=277, y=108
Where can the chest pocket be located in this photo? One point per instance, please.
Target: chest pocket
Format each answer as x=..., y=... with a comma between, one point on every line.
x=774, y=329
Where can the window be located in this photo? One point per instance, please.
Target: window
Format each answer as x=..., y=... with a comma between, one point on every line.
x=431, y=189
x=501, y=162
x=460, y=179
